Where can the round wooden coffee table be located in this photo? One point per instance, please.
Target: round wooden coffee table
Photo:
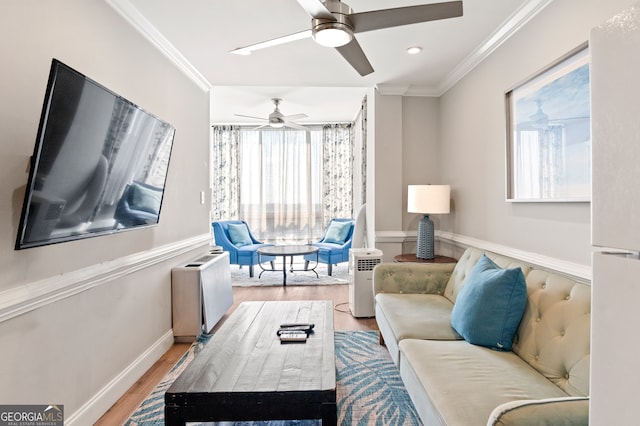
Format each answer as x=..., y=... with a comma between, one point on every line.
x=284, y=251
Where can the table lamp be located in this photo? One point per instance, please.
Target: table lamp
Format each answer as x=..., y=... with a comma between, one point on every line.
x=427, y=199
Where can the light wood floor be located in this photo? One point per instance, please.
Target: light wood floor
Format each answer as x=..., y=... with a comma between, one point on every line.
x=343, y=320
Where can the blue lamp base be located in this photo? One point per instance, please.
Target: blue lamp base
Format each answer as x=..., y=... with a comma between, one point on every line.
x=424, y=249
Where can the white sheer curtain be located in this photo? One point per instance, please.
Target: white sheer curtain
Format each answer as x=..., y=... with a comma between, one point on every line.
x=280, y=186
x=287, y=184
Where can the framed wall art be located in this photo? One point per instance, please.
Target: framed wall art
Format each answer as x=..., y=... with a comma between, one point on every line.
x=549, y=133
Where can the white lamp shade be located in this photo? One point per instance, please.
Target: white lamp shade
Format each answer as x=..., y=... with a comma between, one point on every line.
x=428, y=199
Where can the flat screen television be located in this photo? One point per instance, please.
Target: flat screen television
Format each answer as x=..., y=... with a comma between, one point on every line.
x=99, y=165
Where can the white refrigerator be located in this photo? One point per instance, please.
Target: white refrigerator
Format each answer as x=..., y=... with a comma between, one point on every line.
x=615, y=208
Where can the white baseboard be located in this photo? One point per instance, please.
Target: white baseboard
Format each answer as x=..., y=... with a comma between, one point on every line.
x=93, y=409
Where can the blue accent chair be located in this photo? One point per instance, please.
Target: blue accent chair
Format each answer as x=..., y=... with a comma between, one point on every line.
x=329, y=252
x=239, y=255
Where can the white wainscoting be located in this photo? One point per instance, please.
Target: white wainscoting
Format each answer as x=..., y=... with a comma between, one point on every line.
x=31, y=296
x=25, y=298
x=104, y=399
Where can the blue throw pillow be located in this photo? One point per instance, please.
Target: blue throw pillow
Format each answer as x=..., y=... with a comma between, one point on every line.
x=489, y=307
x=337, y=232
x=239, y=234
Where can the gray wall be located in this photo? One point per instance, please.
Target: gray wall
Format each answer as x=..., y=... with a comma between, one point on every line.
x=468, y=126
x=65, y=347
x=473, y=139
x=80, y=349
x=407, y=151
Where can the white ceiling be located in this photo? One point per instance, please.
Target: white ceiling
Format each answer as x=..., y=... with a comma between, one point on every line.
x=312, y=79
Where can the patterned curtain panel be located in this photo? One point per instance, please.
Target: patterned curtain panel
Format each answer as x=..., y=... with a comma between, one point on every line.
x=363, y=149
x=360, y=157
x=225, y=163
x=337, y=183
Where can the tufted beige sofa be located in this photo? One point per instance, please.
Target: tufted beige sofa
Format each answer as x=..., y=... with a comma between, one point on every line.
x=543, y=381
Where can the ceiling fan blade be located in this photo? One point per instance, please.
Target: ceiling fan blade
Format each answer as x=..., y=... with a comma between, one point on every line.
x=316, y=9
x=354, y=54
x=387, y=18
x=294, y=126
x=246, y=50
x=260, y=127
x=294, y=117
x=250, y=116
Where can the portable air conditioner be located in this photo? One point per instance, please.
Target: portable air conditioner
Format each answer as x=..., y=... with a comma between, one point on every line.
x=361, y=264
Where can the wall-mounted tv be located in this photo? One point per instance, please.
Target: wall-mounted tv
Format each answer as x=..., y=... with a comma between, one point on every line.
x=99, y=164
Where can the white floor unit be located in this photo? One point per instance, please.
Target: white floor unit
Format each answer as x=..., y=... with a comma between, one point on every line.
x=201, y=294
x=361, y=264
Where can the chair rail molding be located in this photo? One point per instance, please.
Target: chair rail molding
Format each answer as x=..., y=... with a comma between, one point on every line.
x=393, y=236
x=575, y=270
x=27, y=297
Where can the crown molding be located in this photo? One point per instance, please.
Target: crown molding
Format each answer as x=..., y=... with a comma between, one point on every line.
x=509, y=27
x=133, y=16
x=391, y=89
x=406, y=90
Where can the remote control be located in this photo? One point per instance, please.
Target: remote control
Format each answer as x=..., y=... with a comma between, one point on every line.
x=302, y=329
x=289, y=325
x=293, y=337
x=292, y=331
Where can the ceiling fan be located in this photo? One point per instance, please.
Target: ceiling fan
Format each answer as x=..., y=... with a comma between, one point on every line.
x=333, y=24
x=277, y=119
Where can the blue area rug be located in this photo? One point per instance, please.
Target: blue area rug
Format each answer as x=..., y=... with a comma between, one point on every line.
x=369, y=388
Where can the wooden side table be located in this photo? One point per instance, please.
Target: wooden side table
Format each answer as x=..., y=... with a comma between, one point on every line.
x=411, y=257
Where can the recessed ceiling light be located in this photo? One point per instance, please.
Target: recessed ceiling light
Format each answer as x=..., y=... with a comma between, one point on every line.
x=414, y=50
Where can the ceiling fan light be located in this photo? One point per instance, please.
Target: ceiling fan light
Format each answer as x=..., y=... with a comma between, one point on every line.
x=414, y=50
x=332, y=33
x=276, y=124
x=332, y=37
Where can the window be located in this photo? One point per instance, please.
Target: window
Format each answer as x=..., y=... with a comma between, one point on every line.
x=285, y=183
x=281, y=183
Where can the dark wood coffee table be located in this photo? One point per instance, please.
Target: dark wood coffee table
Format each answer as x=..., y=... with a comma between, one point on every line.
x=244, y=373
